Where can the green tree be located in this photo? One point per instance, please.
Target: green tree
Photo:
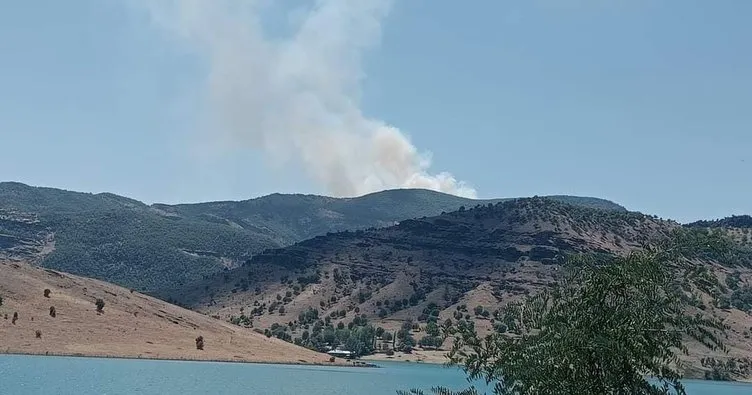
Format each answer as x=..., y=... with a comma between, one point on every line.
x=405, y=337
x=432, y=329
x=611, y=323
x=446, y=330
x=430, y=342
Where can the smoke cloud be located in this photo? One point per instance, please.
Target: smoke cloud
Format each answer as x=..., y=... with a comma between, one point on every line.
x=296, y=96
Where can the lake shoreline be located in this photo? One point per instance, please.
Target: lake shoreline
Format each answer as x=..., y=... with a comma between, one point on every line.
x=435, y=357
x=176, y=359
x=370, y=359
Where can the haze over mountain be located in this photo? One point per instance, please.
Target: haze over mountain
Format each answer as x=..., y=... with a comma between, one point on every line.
x=158, y=247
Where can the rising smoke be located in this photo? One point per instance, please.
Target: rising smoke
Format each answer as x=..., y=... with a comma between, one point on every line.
x=296, y=96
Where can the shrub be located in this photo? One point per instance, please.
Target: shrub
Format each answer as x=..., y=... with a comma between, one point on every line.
x=53, y=312
x=47, y=293
x=15, y=318
x=100, y=305
x=38, y=334
x=390, y=352
x=200, y=343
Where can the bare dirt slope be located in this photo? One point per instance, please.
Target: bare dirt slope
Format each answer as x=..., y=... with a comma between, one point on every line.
x=132, y=324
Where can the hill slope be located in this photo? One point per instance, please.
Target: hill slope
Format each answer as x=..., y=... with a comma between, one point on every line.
x=734, y=221
x=509, y=241
x=463, y=264
x=114, y=238
x=132, y=325
x=151, y=248
x=293, y=218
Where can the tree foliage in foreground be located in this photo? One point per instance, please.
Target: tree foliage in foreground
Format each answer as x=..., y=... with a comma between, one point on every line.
x=613, y=325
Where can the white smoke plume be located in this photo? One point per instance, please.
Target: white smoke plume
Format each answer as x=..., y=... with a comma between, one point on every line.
x=298, y=95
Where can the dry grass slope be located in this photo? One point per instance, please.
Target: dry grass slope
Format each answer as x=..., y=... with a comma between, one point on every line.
x=132, y=324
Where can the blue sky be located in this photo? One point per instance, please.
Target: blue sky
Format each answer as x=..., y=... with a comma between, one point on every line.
x=645, y=103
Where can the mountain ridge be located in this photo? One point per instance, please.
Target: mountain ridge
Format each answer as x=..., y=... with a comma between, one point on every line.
x=155, y=247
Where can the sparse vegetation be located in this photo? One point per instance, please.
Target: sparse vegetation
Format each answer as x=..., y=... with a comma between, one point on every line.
x=611, y=323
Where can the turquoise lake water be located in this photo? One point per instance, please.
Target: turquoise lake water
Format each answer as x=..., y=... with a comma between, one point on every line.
x=21, y=375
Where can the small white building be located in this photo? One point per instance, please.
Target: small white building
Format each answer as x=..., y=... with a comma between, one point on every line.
x=341, y=354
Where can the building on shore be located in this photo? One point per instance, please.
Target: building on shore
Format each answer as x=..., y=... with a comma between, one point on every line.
x=341, y=354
